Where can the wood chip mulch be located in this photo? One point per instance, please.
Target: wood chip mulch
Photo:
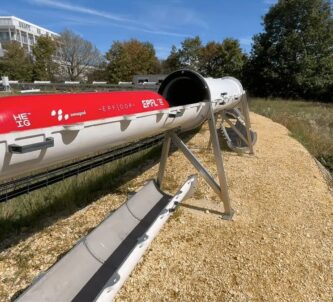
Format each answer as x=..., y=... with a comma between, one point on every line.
x=279, y=246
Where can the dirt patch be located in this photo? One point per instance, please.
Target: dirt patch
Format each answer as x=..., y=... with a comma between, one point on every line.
x=278, y=247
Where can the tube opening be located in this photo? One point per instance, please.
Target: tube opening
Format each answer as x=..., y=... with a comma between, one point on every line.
x=184, y=87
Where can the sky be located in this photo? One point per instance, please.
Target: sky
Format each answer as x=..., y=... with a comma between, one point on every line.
x=163, y=23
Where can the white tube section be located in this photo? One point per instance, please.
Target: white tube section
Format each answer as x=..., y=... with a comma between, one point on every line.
x=99, y=264
x=114, y=284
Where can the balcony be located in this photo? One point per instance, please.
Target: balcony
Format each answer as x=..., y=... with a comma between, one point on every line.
x=6, y=22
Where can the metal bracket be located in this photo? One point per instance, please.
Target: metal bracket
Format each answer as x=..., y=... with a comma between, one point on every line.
x=142, y=238
x=49, y=142
x=114, y=278
x=176, y=114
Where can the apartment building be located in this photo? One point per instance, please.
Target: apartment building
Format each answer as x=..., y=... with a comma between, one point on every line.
x=26, y=33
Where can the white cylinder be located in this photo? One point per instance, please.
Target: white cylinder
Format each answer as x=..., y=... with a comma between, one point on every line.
x=185, y=87
x=5, y=81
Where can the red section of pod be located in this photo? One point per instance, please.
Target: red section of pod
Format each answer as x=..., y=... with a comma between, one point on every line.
x=20, y=113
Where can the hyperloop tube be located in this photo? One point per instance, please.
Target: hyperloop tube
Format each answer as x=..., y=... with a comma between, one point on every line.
x=38, y=131
x=185, y=87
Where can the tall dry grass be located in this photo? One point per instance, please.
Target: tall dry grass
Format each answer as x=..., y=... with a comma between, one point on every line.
x=30, y=211
x=311, y=123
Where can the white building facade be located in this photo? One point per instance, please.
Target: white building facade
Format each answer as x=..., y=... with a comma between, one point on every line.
x=26, y=33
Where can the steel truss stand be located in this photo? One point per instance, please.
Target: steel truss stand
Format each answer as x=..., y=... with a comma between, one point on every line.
x=221, y=188
x=240, y=138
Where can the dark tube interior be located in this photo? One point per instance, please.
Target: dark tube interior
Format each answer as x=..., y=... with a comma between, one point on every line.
x=184, y=87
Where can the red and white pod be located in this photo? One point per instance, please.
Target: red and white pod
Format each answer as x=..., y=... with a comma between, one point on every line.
x=37, y=131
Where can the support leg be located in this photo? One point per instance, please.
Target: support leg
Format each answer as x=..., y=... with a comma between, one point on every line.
x=164, y=157
x=216, y=126
x=224, y=194
x=220, y=189
x=194, y=161
x=246, y=113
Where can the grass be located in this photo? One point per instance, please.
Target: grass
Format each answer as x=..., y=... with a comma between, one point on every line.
x=32, y=211
x=310, y=123
x=5, y=93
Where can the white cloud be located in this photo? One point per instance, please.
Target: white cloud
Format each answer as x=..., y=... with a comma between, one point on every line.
x=270, y=2
x=177, y=15
x=80, y=9
x=245, y=41
x=117, y=20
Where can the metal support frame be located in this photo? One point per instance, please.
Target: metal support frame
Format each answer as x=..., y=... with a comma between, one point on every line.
x=241, y=136
x=221, y=188
x=246, y=113
x=164, y=157
x=242, y=115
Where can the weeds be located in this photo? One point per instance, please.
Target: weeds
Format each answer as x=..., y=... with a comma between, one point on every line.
x=198, y=194
x=30, y=210
x=309, y=122
x=177, y=214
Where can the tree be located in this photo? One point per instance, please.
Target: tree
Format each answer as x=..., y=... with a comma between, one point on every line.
x=187, y=56
x=213, y=59
x=129, y=58
x=189, y=53
x=16, y=63
x=293, y=57
x=222, y=59
x=172, y=62
x=45, y=68
x=78, y=56
x=98, y=74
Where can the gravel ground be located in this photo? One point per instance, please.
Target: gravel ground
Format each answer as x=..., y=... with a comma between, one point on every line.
x=279, y=246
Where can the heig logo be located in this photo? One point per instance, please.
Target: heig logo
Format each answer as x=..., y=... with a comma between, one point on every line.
x=22, y=119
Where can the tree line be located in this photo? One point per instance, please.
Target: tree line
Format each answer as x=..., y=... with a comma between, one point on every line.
x=67, y=58
x=291, y=58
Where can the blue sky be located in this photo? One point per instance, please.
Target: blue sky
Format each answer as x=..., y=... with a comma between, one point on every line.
x=163, y=23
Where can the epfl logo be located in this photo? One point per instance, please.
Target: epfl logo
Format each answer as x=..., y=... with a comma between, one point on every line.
x=151, y=103
x=60, y=115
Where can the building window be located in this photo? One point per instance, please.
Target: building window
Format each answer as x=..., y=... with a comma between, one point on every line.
x=38, y=31
x=24, y=25
x=24, y=37
x=18, y=38
x=4, y=36
x=31, y=40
